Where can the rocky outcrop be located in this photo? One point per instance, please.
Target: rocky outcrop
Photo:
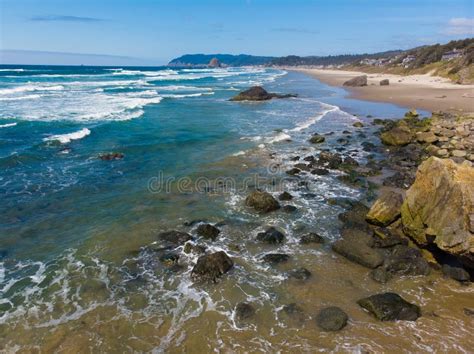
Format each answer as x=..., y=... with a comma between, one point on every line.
x=214, y=63
x=332, y=319
x=208, y=231
x=386, y=209
x=212, y=266
x=258, y=93
x=271, y=236
x=262, y=202
x=173, y=238
x=439, y=208
x=398, y=136
x=390, y=307
x=357, y=81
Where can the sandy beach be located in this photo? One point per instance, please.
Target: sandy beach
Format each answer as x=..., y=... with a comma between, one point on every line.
x=415, y=91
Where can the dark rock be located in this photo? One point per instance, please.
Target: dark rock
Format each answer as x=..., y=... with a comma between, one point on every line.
x=169, y=259
x=311, y=238
x=309, y=158
x=294, y=311
x=193, y=222
x=468, y=312
x=355, y=217
x=289, y=208
x=300, y=274
x=271, y=235
x=390, y=307
x=294, y=171
x=332, y=319
x=343, y=141
x=212, y=266
x=111, y=156
x=384, y=82
x=244, y=311
x=173, y=238
x=456, y=273
x=357, y=81
x=386, y=238
x=262, y=202
x=346, y=132
x=349, y=161
x=276, y=258
x=358, y=125
x=320, y=171
x=380, y=275
x=258, y=93
x=404, y=260
x=191, y=248
x=332, y=160
x=208, y=231
x=317, y=139
x=302, y=166
x=368, y=146
x=295, y=158
x=285, y=196
x=356, y=249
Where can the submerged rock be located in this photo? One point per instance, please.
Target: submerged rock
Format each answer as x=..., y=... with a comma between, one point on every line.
x=390, y=307
x=439, y=208
x=317, y=139
x=262, y=202
x=275, y=258
x=329, y=159
x=244, y=311
x=174, y=238
x=208, y=231
x=386, y=209
x=356, y=249
x=311, y=237
x=332, y=319
x=111, y=156
x=212, y=266
x=285, y=196
x=271, y=235
x=299, y=274
x=258, y=93
x=357, y=81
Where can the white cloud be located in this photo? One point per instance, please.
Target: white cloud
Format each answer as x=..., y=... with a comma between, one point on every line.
x=460, y=26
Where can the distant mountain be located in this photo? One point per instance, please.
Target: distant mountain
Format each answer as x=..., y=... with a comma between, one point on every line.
x=224, y=59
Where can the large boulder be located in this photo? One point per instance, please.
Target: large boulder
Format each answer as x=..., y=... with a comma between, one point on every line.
x=332, y=319
x=386, y=209
x=439, y=208
x=400, y=135
x=208, y=231
x=390, y=307
x=384, y=82
x=357, y=81
x=212, y=266
x=355, y=245
x=258, y=93
x=173, y=238
x=262, y=202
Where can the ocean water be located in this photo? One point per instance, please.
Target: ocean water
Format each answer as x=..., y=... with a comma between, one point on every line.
x=78, y=260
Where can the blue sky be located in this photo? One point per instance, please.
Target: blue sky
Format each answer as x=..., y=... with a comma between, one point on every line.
x=152, y=32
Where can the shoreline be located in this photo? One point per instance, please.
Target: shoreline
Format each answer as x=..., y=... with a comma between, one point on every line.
x=424, y=92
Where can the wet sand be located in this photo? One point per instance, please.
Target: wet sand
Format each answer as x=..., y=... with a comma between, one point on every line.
x=415, y=91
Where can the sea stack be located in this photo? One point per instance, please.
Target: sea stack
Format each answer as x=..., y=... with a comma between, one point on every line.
x=214, y=63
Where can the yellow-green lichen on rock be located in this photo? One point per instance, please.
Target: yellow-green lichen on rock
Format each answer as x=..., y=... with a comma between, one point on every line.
x=386, y=209
x=439, y=207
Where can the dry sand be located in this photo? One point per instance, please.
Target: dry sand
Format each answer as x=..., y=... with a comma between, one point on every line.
x=426, y=92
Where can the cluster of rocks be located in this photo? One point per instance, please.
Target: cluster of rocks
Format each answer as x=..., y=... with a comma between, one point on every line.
x=258, y=93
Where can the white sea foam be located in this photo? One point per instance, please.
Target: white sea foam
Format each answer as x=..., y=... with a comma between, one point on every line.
x=67, y=138
x=13, y=70
x=279, y=137
x=8, y=125
x=308, y=123
x=29, y=88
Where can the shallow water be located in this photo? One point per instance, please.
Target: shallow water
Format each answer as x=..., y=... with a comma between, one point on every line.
x=78, y=269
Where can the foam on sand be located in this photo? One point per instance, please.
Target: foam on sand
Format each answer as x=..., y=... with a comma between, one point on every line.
x=67, y=138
